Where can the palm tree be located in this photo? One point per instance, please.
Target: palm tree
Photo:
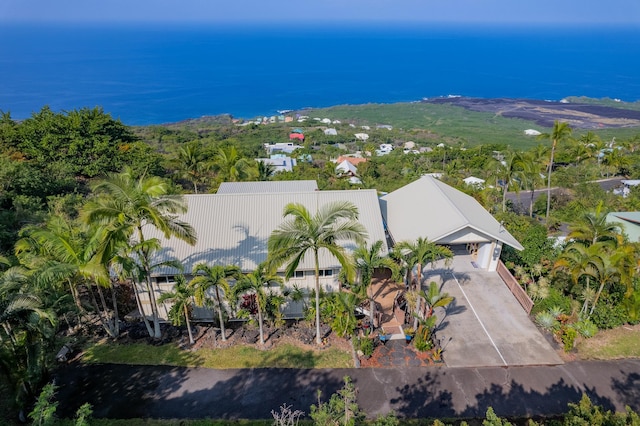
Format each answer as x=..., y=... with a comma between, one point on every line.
x=593, y=227
x=422, y=252
x=182, y=298
x=232, y=167
x=214, y=277
x=531, y=177
x=27, y=330
x=265, y=170
x=560, y=132
x=435, y=298
x=367, y=260
x=508, y=171
x=603, y=270
x=71, y=253
x=191, y=164
x=577, y=260
x=124, y=206
x=303, y=232
x=617, y=160
x=256, y=282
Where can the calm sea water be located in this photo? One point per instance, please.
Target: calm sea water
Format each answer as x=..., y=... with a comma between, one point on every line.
x=156, y=74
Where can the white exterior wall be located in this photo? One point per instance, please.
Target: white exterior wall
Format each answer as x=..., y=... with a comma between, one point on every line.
x=489, y=254
x=291, y=309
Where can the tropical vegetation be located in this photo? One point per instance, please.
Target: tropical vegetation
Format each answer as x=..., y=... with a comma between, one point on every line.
x=77, y=189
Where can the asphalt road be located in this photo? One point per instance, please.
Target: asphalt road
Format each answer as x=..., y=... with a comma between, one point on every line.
x=524, y=197
x=119, y=391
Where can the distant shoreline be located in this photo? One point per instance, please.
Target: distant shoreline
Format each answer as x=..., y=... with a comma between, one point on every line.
x=581, y=112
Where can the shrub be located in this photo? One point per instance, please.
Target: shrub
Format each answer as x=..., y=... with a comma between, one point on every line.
x=607, y=315
x=546, y=320
x=365, y=345
x=586, y=328
x=568, y=338
x=555, y=298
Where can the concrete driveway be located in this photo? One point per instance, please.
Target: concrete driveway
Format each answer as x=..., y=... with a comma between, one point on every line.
x=485, y=326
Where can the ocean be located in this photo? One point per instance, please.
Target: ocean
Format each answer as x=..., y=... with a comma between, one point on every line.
x=151, y=74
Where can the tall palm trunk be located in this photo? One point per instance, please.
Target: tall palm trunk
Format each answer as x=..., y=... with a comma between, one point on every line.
x=220, y=316
x=139, y=303
x=116, y=316
x=595, y=300
x=553, y=150
x=504, y=197
x=110, y=322
x=102, y=320
x=317, y=266
x=260, y=319
x=186, y=317
x=144, y=258
x=533, y=192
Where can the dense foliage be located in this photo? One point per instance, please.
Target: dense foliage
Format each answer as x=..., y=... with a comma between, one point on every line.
x=76, y=187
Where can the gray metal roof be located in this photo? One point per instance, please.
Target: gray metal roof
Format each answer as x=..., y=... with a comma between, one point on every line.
x=268, y=186
x=431, y=209
x=234, y=228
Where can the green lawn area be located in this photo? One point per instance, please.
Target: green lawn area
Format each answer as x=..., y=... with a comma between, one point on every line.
x=622, y=342
x=238, y=356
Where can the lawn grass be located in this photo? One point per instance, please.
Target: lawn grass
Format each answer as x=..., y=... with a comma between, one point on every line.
x=237, y=356
x=618, y=343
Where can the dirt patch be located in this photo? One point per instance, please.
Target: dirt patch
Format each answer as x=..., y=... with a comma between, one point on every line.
x=301, y=335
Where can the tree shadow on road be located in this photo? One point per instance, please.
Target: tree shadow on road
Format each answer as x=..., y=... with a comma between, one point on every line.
x=124, y=391
x=628, y=389
x=423, y=399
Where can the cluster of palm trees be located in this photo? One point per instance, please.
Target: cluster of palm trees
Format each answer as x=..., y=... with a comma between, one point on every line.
x=226, y=164
x=597, y=258
x=70, y=268
x=59, y=261
x=517, y=171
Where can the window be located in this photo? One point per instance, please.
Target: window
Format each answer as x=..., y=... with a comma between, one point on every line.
x=326, y=272
x=298, y=274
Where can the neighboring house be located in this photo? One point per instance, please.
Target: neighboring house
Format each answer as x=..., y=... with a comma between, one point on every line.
x=532, y=132
x=331, y=132
x=625, y=189
x=431, y=209
x=286, y=147
x=296, y=136
x=353, y=160
x=346, y=168
x=280, y=162
x=384, y=126
x=384, y=149
x=629, y=222
x=362, y=136
x=474, y=181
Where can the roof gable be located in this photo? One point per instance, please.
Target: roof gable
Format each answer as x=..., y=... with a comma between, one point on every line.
x=431, y=209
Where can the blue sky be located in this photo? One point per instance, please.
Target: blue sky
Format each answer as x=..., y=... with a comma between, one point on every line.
x=231, y=11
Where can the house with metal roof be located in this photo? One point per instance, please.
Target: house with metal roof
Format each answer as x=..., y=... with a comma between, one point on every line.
x=234, y=225
x=431, y=209
x=233, y=229
x=629, y=222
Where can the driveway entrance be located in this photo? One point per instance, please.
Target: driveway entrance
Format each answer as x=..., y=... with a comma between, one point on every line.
x=485, y=325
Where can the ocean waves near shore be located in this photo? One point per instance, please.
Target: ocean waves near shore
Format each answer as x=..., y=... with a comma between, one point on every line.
x=148, y=75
